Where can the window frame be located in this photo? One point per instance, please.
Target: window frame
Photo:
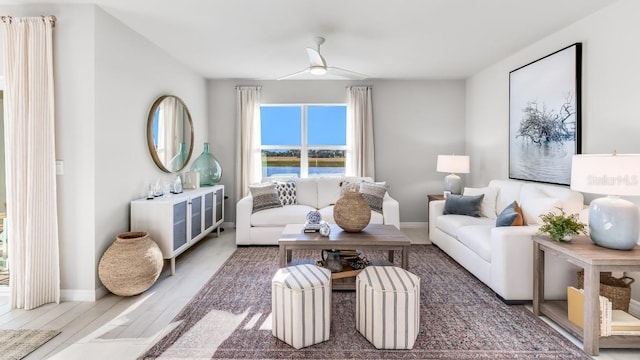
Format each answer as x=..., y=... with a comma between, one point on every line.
x=304, y=147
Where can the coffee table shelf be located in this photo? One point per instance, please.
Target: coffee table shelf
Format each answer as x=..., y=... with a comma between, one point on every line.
x=373, y=237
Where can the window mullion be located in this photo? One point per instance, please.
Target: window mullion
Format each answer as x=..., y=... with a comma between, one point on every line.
x=304, y=153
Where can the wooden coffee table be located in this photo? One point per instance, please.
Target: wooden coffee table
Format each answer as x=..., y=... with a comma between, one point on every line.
x=374, y=237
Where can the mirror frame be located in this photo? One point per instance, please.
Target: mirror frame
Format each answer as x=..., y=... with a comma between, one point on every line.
x=151, y=144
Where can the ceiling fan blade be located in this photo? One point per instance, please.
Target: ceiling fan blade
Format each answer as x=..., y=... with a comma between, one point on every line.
x=294, y=74
x=346, y=73
x=315, y=59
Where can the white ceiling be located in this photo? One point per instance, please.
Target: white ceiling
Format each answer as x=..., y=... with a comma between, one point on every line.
x=385, y=39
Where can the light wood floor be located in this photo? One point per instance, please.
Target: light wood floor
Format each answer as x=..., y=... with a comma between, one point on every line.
x=123, y=327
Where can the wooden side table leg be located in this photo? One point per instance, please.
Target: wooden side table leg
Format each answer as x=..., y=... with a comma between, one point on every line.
x=591, y=310
x=538, y=277
x=282, y=255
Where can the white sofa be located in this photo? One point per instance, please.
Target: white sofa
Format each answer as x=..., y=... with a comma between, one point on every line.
x=502, y=257
x=264, y=227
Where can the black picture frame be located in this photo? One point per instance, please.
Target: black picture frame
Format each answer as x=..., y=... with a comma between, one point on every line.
x=545, y=117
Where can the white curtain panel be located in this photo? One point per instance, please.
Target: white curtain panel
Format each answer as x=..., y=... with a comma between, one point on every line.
x=360, y=159
x=30, y=161
x=249, y=169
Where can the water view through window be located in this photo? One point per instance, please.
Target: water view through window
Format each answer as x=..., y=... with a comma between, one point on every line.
x=303, y=140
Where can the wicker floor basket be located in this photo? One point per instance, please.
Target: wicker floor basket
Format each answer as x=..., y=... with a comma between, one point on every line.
x=618, y=290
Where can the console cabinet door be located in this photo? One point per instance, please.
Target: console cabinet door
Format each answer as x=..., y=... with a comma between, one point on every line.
x=219, y=205
x=179, y=224
x=196, y=217
x=208, y=210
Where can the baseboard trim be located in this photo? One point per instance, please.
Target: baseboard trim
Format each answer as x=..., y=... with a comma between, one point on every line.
x=83, y=295
x=413, y=225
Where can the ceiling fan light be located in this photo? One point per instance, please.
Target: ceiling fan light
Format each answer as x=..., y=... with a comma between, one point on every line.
x=318, y=70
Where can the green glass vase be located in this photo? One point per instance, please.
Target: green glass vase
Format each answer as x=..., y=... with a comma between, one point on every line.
x=208, y=166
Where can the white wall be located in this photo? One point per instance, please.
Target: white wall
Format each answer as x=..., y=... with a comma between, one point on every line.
x=610, y=92
x=106, y=79
x=414, y=121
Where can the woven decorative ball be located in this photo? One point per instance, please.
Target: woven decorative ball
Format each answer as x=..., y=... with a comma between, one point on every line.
x=352, y=212
x=131, y=264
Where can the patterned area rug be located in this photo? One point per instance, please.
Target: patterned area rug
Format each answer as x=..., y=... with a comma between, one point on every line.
x=16, y=344
x=460, y=318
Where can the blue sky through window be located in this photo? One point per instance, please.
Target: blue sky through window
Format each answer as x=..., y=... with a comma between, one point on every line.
x=281, y=125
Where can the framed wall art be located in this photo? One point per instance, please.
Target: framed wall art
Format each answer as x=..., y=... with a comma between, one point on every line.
x=544, y=117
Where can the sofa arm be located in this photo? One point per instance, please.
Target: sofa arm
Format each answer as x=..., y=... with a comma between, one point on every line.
x=391, y=211
x=512, y=265
x=244, y=209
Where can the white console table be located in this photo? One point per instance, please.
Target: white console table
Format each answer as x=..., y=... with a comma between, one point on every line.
x=177, y=221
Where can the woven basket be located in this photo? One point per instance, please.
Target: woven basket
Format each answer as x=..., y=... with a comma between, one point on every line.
x=617, y=290
x=352, y=212
x=131, y=264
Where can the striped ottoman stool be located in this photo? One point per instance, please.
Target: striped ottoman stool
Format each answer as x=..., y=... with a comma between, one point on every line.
x=388, y=306
x=301, y=305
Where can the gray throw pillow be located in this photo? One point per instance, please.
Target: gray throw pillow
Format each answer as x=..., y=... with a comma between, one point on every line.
x=463, y=205
x=373, y=193
x=265, y=196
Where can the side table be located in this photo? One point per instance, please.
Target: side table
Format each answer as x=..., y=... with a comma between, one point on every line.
x=581, y=251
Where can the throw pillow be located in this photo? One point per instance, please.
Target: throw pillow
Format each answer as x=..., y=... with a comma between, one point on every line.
x=287, y=192
x=265, y=196
x=373, y=193
x=532, y=208
x=510, y=216
x=463, y=205
x=488, y=206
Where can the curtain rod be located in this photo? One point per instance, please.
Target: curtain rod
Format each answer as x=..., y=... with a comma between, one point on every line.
x=51, y=18
x=248, y=86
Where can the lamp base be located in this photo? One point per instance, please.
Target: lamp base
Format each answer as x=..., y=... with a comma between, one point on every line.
x=453, y=183
x=614, y=223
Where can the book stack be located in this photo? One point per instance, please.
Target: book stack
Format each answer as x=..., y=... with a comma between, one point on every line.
x=612, y=322
x=311, y=228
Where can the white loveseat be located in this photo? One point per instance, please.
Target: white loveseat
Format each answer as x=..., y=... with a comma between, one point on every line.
x=264, y=227
x=502, y=257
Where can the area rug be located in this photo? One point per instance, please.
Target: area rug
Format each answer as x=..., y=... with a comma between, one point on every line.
x=16, y=344
x=460, y=318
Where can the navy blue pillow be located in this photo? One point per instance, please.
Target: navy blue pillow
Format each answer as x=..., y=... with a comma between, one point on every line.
x=463, y=205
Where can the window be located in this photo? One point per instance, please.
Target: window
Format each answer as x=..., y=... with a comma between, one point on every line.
x=303, y=140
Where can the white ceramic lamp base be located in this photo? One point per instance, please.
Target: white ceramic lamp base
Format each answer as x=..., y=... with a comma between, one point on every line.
x=614, y=223
x=453, y=184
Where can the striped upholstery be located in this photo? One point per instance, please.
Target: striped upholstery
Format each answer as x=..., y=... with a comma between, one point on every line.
x=301, y=305
x=388, y=306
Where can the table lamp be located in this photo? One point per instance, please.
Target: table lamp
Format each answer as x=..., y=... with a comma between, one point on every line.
x=453, y=164
x=613, y=222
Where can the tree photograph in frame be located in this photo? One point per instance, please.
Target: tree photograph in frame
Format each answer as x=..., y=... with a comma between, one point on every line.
x=544, y=117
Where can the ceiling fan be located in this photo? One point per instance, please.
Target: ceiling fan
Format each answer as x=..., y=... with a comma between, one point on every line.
x=318, y=66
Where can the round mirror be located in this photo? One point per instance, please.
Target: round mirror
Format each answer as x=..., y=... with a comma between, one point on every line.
x=170, y=133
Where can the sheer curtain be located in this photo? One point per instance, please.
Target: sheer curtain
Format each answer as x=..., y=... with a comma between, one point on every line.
x=360, y=159
x=30, y=162
x=248, y=144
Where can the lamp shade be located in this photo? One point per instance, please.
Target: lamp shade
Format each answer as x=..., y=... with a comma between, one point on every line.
x=453, y=164
x=613, y=222
x=607, y=174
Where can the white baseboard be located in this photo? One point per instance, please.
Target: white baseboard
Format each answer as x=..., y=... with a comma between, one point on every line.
x=413, y=225
x=82, y=295
x=230, y=225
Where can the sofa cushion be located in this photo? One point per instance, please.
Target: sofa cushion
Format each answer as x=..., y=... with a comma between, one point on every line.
x=307, y=192
x=535, y=202
x=280, y=216
x=287, y=192
x=328, y=191
x=478, y=239
x=373, y=193
x=463, y=205
x=488, y=205
x=510, y=216
x=265, y=196
x=450, y=224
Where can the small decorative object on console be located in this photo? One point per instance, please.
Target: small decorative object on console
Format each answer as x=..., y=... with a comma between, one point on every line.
x=325, y=229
